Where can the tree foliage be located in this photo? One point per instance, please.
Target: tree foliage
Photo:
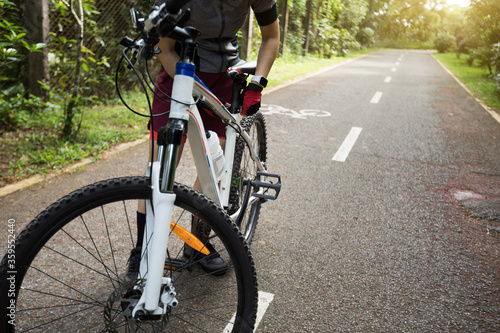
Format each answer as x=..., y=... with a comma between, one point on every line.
x=324, y=27
x=14, y=51
x=444, y=42
x=482, y=34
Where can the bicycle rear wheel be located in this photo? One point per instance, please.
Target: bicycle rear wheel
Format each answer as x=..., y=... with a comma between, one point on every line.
x=71, y=260
x=244, y=167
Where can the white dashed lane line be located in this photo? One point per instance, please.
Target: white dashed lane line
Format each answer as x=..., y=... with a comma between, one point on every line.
x=265, y=300
x=376, y=98
x=346, y=146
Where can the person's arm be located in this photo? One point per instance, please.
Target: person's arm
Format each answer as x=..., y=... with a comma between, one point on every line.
x=168, y=57
x=268, y=49
x=267, y=54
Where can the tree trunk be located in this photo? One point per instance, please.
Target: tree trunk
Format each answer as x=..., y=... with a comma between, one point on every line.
x=38, y=31
x=246, y=38
x=284, y=27
x=316, y=17
x=307, y=25
x=70, y=113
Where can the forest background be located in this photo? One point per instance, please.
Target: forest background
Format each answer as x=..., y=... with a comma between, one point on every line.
x=58, y=101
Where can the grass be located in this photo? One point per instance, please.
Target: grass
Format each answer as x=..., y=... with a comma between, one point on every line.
x=288, y=68
x=477, y=79
x=35, y=147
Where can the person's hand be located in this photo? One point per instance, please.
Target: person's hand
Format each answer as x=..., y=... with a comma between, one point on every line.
x=251, y=99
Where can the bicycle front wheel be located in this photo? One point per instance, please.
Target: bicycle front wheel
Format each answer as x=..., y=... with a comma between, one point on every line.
x=245, y=168
x=71, y=259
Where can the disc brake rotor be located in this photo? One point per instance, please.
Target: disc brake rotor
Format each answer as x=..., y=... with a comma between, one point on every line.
x=128, y=295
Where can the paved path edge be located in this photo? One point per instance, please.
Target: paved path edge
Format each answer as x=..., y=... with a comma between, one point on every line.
x=492, y=112
x=11, y=188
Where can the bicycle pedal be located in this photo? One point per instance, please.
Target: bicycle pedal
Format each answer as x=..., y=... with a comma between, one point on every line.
x=176, y=264
x=268, y=185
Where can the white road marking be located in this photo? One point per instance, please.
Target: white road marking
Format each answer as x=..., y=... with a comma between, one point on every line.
x=346, y=146
x=398, y=63
x=264, y=300
x=269, y=109
x=376, y=98
x=467, y=195
x=388, y=79
x=393, y=69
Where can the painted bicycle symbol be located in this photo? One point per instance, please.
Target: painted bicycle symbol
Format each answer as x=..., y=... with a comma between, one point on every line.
x=270, y=109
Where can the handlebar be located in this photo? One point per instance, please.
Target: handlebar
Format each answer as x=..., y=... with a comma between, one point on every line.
x=165, y=20
x=166, y=16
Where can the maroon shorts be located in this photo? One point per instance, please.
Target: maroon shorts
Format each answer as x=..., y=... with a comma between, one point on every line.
x=218, y=83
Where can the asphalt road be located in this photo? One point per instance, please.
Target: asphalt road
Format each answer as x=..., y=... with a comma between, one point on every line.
x=401, y=236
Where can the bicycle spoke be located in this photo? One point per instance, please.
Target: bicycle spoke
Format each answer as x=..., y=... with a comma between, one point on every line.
x=128, y=223
x=109, y=240
x=58, y=319
x=86, y=266
x=209, y=293
x=79, y=292
x=95, y=246
x=73, y=282
x=56, y=296
x=198, y=276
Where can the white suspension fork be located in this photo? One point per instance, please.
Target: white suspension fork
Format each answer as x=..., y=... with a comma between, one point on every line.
x=162, y=203
x=157, y=249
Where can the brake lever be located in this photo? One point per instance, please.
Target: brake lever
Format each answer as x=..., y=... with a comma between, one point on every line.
x=133, y=45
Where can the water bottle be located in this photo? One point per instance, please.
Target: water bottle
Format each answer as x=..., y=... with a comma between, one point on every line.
x=216, y=152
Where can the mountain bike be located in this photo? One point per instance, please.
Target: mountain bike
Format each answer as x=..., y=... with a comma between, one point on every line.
x=65, y=272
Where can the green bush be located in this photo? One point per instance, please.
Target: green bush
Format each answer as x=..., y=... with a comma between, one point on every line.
x=13, y=56
x=497, y=79
x=470, y=60
x=444, y=42
x=495, y=63
x=13, y=49
x=366, y=37
x=484, y=55
x=496, y=57
x=18, y=109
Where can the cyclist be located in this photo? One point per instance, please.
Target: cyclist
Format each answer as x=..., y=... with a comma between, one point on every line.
x=217, y=50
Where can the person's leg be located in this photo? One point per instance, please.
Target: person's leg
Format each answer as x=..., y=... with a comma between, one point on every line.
x=212, y=263
x=221, y=86
x=141, y=204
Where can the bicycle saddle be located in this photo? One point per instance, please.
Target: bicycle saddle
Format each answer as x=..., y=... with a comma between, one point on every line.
x=242, y=67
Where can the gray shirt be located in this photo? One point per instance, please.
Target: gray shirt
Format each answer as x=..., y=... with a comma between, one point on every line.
x=219, y=22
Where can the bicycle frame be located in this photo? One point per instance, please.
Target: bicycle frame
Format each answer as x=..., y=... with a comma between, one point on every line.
x=210, y=188
x=186, y=89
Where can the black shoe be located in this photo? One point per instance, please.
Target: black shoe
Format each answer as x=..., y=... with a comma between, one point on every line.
x=134, y=262
x=212, y=263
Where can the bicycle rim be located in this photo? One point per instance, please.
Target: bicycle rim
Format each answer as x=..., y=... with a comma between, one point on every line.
x=244, y=168
x=72, y=258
